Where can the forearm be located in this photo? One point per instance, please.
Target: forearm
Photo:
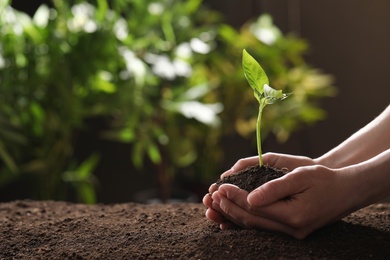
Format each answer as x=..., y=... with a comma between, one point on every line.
x=370, y=179
x=366, y=143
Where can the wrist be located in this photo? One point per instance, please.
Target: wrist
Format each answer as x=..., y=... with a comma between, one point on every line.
x=324, y=160
x=335, y=160
x=371, y=179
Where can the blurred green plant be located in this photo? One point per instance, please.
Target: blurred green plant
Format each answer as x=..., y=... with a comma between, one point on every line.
x=152, y=69
x=142, y=64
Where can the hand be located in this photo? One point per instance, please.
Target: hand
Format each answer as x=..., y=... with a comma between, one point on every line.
x=272, y=159
x=296, y=204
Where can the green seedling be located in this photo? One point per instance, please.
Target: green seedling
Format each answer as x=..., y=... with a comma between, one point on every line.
x=258, y=80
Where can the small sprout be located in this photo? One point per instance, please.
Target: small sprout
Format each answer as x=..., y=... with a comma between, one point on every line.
x=258, y=80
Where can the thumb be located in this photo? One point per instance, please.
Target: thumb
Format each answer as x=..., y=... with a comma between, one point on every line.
x=272, y=191
x=288, y=161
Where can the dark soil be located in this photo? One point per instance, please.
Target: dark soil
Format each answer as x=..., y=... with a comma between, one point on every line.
x=60, y=230
x=252, y=177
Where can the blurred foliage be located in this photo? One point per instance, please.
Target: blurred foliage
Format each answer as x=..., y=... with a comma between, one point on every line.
x=166, y=75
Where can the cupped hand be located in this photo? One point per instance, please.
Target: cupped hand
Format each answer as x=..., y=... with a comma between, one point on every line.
x=280, y=161
x=276, y=160
x=296, y=204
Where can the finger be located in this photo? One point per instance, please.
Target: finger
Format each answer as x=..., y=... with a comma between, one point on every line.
x=215, y=216
x=271, y=159
x=241, y=164
x=207, y=200
x=211, y=212
x=244, y=163
x=290, y=162
x=215, y=213
x=245, y=219
x=276, y=190
x=221, y=201
x=278, y=160
x=240, y=198
x=227, y=226
x=226, y=173
x=213, y=188
x=290, y=217
x=235, y=194
x=236, y=199
x=217, y=198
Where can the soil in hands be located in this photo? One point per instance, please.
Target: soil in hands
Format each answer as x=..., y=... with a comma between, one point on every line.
x=252, y=177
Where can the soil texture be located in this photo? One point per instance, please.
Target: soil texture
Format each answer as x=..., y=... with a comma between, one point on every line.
x=252, y=177
x=61, y=230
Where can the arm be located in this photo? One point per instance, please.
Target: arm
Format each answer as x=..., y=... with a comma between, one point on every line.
x=366, y=143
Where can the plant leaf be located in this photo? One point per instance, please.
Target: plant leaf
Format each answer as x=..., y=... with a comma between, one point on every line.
x=254, y=74
x=271, y=95
x=84, y=171
x=154, y=153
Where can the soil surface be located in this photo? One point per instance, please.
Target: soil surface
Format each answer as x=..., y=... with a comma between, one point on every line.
x=252, y=177
x=61, y=230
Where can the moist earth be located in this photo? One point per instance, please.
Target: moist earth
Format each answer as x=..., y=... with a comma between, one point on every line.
x=62, y=230
x=252, y=177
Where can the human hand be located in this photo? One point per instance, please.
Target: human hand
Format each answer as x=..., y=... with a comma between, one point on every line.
x=275, y=160
x=272, y=159
x=296, y=204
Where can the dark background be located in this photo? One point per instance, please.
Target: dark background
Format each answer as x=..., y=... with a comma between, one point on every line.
x=349, y=39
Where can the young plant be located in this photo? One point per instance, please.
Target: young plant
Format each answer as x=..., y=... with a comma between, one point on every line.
x=258, y=80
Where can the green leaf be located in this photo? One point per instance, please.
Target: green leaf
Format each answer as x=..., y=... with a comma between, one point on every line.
x=271, y=95
x=102, y=9
x=254, y=74
x=86, y=193
x=86, y=168
x=154, y=153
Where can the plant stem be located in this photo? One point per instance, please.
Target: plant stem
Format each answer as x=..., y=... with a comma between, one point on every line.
x=258, y=135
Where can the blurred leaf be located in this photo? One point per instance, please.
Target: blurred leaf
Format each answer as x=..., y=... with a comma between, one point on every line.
x=264, y=29
x=138, y=154
x=87, y=167
x=196, y=92
x=84, y=171
x=102, y=10
x=41, y=16
x=86, y=193
x=7, y=159
x=82, y=179
x=154, y=153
